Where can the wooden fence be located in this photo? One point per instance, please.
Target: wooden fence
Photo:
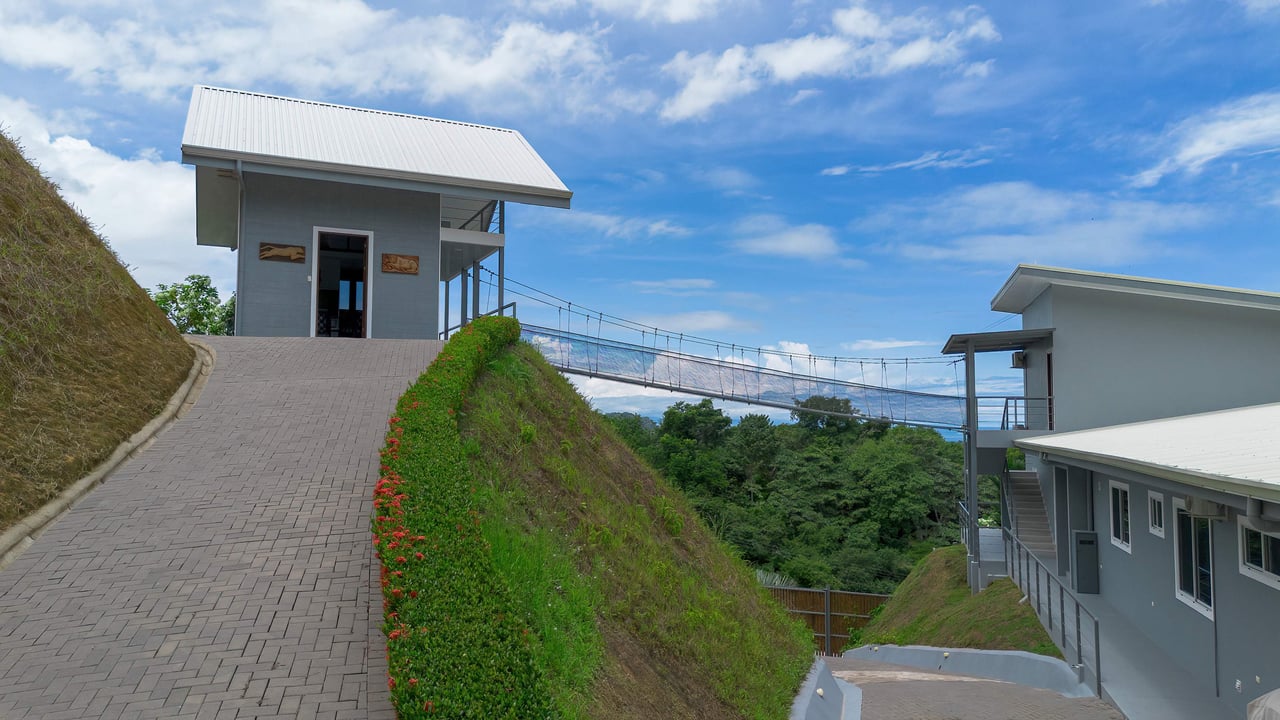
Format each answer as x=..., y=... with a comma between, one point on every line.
x=830, y=614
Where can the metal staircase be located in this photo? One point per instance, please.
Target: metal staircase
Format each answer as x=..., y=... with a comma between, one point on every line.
x=1028, y=519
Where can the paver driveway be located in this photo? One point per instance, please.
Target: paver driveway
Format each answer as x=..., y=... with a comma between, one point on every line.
x=227, y=571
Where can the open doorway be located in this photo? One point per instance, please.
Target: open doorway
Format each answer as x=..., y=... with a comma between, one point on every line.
x=342, y=284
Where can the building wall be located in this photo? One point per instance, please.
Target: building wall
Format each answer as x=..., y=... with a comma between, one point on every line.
x=1121, y=358
x=274, y=298
x=1141, y=585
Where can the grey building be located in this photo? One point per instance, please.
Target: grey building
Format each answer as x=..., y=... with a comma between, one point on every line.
x=1151, y=493
x=353, y=222
x=1186, y=512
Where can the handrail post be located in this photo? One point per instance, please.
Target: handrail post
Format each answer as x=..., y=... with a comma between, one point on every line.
x=1062, y=608
x=1097, y=658
x=1079, y=647
x=826, y=607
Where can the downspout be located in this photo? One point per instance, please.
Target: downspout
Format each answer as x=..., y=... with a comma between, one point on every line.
x=239, y=247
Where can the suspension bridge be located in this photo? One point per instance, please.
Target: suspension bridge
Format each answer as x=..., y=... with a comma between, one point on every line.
x=596, y=344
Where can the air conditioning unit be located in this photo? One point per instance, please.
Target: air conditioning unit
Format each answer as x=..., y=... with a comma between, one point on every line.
x=1199, y=507
x=1019, y=360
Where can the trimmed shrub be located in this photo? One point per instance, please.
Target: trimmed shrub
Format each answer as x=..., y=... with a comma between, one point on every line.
x=455, y=646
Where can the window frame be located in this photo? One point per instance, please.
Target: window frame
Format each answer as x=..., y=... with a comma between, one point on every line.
x=1186, y=598
x=1126, y=528
x=1154, y=497
x=1253, y=572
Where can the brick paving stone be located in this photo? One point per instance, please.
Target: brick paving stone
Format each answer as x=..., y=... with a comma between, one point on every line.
x=226, y=571
x=898, y=692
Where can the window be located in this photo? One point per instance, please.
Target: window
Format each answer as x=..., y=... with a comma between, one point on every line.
x=1120, y=515
x=1155, y=513
x=1194, y=555
x=1260, y=556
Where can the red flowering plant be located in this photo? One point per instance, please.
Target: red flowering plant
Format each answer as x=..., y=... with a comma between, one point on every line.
x=454, y=645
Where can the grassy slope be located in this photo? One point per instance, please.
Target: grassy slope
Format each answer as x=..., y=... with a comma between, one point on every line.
x=933, y=606
x=86, y=359
x=638, y=610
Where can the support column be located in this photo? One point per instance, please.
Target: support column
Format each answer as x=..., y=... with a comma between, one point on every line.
x=462, y=297
x=445, y=329
x=971, y=467
x=475, y=290
x=502, y=278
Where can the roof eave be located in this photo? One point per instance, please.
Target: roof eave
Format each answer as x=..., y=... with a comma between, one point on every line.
x=1221, y=483
x=380, y=177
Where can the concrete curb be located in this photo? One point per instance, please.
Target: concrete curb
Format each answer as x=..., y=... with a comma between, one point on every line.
x=823, y=696
x=19, y=537
x=1015, y=666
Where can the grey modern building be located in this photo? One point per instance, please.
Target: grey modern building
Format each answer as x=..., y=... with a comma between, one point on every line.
x=353, y=222
x=1186, y=513
x=1152, y=489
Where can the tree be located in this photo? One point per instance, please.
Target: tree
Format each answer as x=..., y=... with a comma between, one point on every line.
x=816, y=420
x=193, y=306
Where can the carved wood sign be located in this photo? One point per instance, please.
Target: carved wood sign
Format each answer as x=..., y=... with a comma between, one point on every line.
x=403, y=264
x=282, y=253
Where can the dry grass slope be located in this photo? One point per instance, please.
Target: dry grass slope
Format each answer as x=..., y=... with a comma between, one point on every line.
x=86, y=359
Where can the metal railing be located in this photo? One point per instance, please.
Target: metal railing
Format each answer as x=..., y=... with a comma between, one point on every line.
x=1015, y=412
x=1038, y=584
x=449, y=330
x=830, y=614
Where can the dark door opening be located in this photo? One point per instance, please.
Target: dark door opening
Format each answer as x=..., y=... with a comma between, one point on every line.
x=342, y=285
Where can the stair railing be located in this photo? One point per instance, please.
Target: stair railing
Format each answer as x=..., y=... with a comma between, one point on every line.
x=1026, y=570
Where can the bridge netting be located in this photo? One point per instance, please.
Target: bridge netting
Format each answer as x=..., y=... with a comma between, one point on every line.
x=587, y=342
x=736, y=376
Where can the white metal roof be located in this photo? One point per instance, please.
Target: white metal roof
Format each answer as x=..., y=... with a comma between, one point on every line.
x=1028, y=281
x=287, y=133
x=1234, y=451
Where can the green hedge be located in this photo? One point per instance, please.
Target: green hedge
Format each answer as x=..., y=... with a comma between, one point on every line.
x=455, y=646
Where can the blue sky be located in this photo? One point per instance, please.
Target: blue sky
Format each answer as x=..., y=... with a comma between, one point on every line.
x=855, y=178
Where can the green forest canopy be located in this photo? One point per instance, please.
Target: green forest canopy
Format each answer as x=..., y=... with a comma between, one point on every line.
x=826, y=501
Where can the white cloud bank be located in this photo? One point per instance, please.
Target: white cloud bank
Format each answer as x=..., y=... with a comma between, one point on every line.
x=772, y=235
x=864, y=44
x=1009, y=222
x=317, y=48
x=1242, y=127
x=144, y=206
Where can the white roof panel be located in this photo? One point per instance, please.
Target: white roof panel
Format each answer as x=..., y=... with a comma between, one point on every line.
x=285, y=132
x=1028, y=281
x=1229, y=450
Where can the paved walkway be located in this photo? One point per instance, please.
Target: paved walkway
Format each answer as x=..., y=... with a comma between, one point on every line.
x=898, y=692
x=226, y=572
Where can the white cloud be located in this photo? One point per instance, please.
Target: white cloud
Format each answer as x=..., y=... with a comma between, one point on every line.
x=620, y=227
x=1020, y=222
x=675, y=286
x=886, y=344
x=865, y=45
x=144, y=206
x=772, y=235
x=942, y=159
x=696, y=321
x=316, y=48
x=669, y=11
x=1259, y=7
x=1247, y=126
x=730, y=180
